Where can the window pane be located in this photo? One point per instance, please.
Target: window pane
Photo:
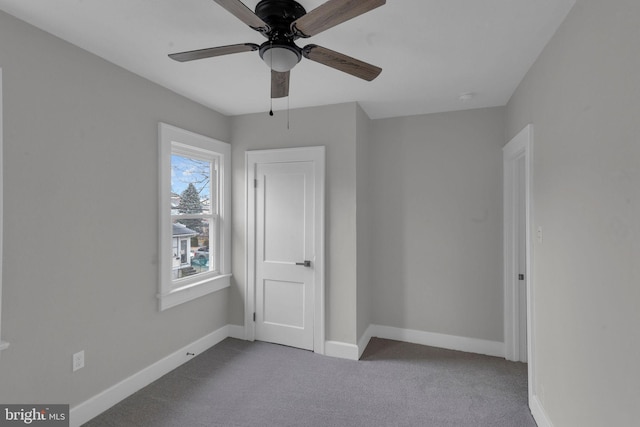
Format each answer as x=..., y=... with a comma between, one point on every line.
x=190, y=248
x=191, y=186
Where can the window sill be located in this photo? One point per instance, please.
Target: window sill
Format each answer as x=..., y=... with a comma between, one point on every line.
x=194, y=290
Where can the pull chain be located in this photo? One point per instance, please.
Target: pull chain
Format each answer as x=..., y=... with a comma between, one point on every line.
x=271, y=67
x=271, y=96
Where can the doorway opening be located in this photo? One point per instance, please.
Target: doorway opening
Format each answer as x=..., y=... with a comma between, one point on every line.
x=518, y=290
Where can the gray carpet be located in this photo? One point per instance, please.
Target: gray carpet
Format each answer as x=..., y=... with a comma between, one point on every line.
x=255, y=384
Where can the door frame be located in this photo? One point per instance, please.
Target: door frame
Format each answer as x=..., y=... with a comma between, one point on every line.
x=518, y=148
x=252, y=158
x=521, y=146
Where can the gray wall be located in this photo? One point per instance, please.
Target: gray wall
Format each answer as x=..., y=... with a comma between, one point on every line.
x=81, y=220
x=436, y=186
x=583, y=98
x=335, y=128
x=364, y=229
x=412, y=242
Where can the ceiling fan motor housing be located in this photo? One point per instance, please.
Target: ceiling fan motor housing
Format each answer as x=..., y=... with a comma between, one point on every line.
x=279, y=14
x=280, y=51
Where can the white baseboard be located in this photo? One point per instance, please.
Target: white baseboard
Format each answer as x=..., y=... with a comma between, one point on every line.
x=363, y=342
x=99, y=403
x=451, y=342
x=538, y=412
x=341, y=350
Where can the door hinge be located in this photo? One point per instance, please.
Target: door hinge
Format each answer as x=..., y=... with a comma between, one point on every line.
x=255, y=183
x=254, y=317
x=520, y=276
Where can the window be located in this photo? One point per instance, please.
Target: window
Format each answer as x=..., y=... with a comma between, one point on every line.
x=195, y=229
x=194, y=212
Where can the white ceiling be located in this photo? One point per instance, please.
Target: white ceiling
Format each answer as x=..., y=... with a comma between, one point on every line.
x=431, y=51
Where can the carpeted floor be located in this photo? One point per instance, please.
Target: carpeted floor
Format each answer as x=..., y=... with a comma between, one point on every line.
x=254, y=384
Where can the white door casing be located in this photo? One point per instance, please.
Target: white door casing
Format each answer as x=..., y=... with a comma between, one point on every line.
x=519, y=294
x=285, y=228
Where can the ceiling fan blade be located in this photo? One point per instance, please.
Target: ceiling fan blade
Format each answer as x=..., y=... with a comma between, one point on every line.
x=330, y=14
x=243, y=13
x=213, y=51
x=341, y=62
x=279, y=84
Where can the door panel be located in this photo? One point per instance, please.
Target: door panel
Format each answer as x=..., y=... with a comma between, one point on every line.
x=284, y=204
x=283, y=303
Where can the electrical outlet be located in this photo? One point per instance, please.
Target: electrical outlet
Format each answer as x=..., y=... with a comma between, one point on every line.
x=78, y=360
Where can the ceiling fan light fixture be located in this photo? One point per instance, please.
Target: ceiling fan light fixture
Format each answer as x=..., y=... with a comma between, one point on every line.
x=280, y=58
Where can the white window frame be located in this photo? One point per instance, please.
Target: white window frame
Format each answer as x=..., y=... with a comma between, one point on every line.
x=3, y=344
x=173, y=140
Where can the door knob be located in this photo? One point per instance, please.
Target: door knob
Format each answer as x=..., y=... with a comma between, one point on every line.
x=306, y=263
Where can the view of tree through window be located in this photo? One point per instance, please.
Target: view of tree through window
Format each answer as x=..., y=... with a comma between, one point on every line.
x=194, y=215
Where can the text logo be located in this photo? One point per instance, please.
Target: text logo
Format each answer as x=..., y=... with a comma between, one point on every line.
x=34, y=415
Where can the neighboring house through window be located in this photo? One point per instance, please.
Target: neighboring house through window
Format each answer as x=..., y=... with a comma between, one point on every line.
x=182, y=254
x=194, y=215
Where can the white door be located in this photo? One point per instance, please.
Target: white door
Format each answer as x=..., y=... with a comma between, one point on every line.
x=287, y=246
x=517, y=244
x=522, y=257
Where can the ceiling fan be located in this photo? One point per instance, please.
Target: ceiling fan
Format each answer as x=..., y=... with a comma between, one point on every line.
x=284, y=21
